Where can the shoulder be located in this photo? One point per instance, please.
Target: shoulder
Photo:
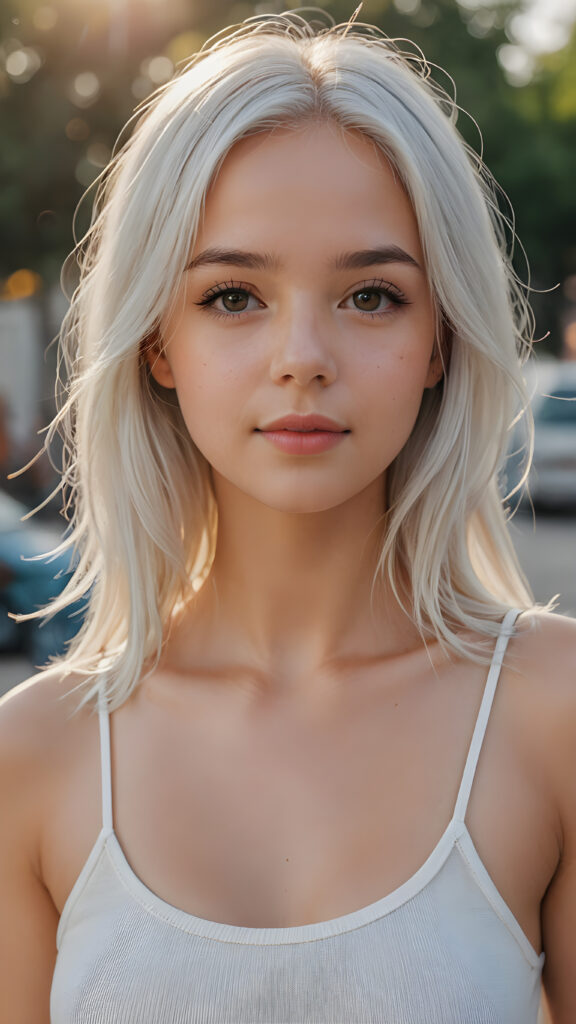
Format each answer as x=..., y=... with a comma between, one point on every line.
x=38, y=733
x=541, y=664
x=540, y=675
x=543, y=653
x=539, y=629
x=40, y=728
x=37, y=715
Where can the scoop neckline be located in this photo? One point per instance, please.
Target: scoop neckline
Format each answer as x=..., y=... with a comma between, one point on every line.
x=222, y=932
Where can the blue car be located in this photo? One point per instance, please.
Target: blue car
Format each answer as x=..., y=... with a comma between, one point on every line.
x=26, y=585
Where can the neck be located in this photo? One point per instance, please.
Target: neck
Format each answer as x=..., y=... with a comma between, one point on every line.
x=289, y=594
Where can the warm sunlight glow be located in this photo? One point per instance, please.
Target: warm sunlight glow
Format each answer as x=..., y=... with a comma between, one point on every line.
x=570, y=340
x=21, y=285
x=22, y=64
x=45, y=18
x=85, y=89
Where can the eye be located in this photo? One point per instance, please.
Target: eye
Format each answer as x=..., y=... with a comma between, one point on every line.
x=369, y=300
x=229, y=299
x=376, y=297
x=233, y=302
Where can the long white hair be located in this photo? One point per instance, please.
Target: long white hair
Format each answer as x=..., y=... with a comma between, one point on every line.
x=143, y=513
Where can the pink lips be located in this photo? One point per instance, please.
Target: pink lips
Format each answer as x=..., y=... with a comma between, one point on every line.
x=304, y=435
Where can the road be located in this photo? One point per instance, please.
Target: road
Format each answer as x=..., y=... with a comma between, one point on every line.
x=547, y=551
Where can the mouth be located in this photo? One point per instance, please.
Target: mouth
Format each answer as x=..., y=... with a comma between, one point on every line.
x=309, y=423
x=302, y=439
x=300, y=430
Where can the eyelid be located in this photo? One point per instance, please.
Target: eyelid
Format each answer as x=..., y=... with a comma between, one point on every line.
x=379, y=284
x=226, y=286
x=394, y=295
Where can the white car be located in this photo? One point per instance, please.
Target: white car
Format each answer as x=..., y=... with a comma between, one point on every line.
x=552, y=480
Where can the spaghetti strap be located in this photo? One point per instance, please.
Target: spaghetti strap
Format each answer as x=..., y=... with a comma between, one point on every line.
x=106, y=769
x=484, y=714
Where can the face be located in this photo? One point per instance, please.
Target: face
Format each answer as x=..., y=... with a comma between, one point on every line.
x=305, y=298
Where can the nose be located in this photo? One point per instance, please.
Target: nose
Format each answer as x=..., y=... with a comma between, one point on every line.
x=302, y=349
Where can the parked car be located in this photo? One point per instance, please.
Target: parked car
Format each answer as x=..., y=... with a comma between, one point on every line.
x=27, y=583
x=552, y=479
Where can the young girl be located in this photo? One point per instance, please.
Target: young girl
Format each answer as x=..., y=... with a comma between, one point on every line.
x=313, y=755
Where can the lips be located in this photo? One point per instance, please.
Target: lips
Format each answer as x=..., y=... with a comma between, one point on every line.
x=305, y=424
x=298, y=435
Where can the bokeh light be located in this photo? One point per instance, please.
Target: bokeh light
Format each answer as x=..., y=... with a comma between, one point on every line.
x=157, y=69
x=22, y=64
x=141, y=87
x=45, y=18
x=22, y=284
x=517, y=63
x=482, y=23
x=98, y=153
x=570, y=340
x=85, y=89
x=407, y=6
x=86, y=172
x=77, y=129
x=182, y=45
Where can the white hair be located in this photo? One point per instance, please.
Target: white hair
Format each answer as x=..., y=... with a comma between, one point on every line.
x=144, y=517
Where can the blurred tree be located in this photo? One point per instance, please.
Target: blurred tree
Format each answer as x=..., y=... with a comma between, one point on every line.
x=528, y=132
x=543, y=186
x=71, y=72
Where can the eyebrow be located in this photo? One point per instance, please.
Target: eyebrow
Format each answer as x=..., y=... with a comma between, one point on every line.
x=373, y=257
x=264, y=261
x=235, y=258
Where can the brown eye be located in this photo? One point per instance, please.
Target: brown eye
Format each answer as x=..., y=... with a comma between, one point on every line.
x=234, y=302
x=368, y=300
x=230, y=298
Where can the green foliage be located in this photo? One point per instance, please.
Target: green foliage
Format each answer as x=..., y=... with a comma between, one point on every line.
x=53, y=144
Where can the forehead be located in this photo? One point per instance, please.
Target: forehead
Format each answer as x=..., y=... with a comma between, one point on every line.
x=314, y=185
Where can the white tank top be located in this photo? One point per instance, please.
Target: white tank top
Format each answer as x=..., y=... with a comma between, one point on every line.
x=443, y=948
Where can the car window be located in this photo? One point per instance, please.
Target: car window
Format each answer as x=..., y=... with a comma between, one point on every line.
x=558, y=407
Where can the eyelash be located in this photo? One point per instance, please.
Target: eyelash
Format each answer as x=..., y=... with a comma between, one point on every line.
x=385, y=288
x=209, y=298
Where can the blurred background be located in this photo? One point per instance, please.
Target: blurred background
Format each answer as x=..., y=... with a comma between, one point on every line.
x=71, y=74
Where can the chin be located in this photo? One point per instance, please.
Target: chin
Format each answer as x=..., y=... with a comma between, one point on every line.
x=310, y=494
x=303, y=502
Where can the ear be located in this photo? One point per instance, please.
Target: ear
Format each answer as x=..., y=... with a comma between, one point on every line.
x=435, y=368
x=154, y=354
x=440, y=358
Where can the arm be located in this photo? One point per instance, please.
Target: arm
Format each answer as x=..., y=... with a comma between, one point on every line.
x=559, y=933
x=559, y=905
x=28, y=918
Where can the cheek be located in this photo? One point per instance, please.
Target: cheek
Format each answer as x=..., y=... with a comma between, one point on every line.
x=397, y=378
x=209, y=400
x=392, y=389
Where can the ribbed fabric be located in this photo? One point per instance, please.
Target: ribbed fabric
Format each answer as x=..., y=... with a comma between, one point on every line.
x=443, y=948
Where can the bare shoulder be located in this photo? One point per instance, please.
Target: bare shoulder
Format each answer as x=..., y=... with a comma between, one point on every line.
x=541, y=663
x=39, y=737
x=541, y=672
x=39, y=715
x=40, y=727
x=543, y=652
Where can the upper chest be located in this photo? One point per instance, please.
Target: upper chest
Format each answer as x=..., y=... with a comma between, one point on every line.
x=271, y=815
